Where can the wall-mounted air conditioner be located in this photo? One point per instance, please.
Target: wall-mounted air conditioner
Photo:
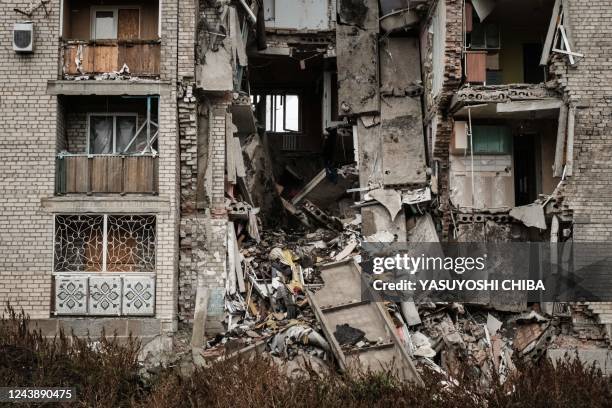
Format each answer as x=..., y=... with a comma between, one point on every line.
x=23, y=37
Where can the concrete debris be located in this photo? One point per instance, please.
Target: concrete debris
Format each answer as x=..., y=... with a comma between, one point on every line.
x=417, y=196
x=532, y=215
x=422, y=345
x=390, y=199
x=493, y=325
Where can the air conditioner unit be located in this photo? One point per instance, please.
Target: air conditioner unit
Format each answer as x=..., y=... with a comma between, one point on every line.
x=23, y=37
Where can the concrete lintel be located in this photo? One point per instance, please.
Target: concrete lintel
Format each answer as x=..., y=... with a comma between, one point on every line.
x=108, y=87
x=525, y=106
x=117, y=204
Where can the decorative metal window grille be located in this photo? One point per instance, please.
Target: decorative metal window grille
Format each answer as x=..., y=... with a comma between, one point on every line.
x=78, y=243
x=131, y=243
x=105, y=243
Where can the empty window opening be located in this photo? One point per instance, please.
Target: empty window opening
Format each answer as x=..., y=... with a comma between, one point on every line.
x=504, y=41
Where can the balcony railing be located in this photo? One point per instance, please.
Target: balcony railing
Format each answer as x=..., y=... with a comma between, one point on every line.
x=142, y=57
x=90, y=174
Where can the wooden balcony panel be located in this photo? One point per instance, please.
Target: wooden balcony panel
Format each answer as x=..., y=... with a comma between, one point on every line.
x=142, y=57
x=107, y=174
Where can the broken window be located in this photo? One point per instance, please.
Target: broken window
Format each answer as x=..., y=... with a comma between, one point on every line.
x=111, y=133
x=104, y=243
x=283, y=112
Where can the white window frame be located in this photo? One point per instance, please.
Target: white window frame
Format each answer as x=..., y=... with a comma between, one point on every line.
x=284, y=111
x=115, y=10
x=114, y=115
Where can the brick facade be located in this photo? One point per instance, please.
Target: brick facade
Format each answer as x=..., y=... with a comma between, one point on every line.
x=36, y=126
x=588, y=87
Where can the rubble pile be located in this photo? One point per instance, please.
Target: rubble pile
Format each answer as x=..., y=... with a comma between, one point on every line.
x=288, y=294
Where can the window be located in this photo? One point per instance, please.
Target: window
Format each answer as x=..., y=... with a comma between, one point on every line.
x=89, y=246
x=109, y=23
x=104, y=24
x=484, y=36
x=111, y=133
x=283, y=112
x=492, y=139
x=104, y=243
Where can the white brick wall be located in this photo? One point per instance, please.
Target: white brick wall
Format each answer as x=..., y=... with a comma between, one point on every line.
x=30, y=124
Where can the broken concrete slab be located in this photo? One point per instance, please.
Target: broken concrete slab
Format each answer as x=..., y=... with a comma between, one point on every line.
x=526, y=335
x=493, y=324
x=417, y=196
x=390, y=199
x=532, y=215
x=424, y=230
x=375, y=219
x=370, y=156
x=216, y=74
x=403, y=144
x=322, y=191
x=357, y=61
x=340, y=301
x=410, y=313
x=398, y=78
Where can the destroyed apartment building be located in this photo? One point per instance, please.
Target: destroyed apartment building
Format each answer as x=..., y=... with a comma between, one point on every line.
x=209, y=171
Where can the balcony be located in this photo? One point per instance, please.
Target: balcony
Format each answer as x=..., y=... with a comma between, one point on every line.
x=92, y=174
x=110, y=41
x=139, y=58
x=107, y=145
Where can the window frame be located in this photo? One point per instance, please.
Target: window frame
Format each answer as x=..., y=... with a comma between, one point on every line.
x=115, y=10
x=284, y=94
x=114, y=115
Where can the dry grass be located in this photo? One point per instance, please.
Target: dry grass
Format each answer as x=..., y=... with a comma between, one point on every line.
x=108, y=377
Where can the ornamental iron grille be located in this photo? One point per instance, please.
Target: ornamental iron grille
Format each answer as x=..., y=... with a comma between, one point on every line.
x=79, y=243
x=131, y=243
x=105, y=243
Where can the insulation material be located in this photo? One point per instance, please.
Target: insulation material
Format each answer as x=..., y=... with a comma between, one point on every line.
x=357, y=61
x=403, y=143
